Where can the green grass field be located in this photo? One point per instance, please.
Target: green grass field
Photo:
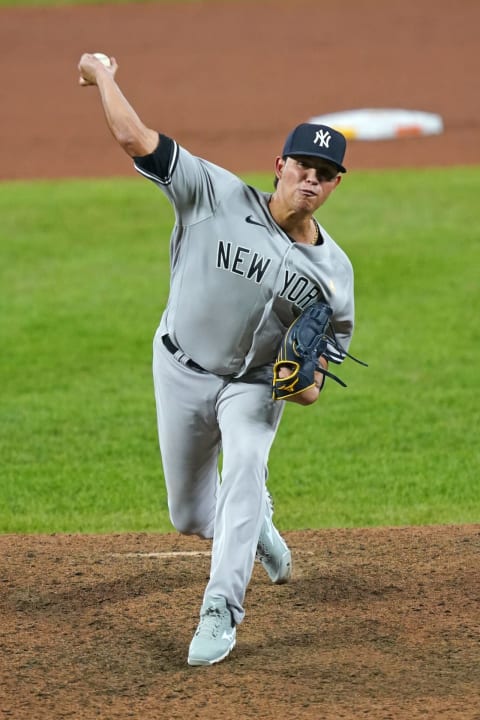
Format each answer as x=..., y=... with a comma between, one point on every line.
x=84, y=278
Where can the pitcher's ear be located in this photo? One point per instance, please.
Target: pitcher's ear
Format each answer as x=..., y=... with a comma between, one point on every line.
x=279, y=165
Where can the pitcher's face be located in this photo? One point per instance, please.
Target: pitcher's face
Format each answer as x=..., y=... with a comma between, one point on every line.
x=305, y=182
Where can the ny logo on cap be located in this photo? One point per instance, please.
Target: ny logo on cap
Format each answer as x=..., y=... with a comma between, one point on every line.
x=322, y=138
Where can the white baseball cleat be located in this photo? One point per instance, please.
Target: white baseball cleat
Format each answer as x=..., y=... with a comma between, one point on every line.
x=215, y=635
x=272, y=550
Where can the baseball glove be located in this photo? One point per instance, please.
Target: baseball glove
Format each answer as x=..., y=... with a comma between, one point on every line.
x=305, y=340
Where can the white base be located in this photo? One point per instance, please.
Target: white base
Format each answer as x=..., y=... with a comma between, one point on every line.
x=381, y=124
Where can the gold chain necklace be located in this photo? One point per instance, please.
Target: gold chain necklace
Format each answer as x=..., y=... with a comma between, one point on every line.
x=317, y=232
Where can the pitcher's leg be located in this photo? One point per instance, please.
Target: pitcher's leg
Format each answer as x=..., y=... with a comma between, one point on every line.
x=189, y=440
x=248, y=421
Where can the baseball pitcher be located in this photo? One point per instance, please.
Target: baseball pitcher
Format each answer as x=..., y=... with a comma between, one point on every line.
x=260, y=303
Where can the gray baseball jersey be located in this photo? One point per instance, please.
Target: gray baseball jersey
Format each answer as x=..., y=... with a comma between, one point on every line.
x=237, y=279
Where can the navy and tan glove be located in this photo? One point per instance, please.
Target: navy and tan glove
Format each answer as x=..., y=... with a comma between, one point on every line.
x=304, y=342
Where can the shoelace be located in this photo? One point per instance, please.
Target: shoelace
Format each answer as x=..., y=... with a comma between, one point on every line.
x=262, y=552
x=211, y=622
x=331, y=336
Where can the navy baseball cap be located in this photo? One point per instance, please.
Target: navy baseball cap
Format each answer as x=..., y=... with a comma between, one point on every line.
x=318, y=140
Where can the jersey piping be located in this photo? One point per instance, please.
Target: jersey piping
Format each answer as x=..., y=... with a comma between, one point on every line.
x=160, y=165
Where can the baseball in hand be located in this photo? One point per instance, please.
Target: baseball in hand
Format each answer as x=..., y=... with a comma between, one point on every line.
x=103, y=58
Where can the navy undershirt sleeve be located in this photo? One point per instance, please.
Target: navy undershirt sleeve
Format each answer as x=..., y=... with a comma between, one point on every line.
x=160, y=162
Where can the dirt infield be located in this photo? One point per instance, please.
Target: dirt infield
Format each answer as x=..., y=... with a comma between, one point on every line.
x=378, y=624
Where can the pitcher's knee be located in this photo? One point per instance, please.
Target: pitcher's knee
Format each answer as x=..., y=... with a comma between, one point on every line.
x=189, y=523
x=250, y=461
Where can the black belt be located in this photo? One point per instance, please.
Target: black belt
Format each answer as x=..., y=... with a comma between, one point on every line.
x=174, y=350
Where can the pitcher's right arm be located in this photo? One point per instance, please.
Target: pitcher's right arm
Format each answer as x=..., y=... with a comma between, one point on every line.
x=125, y=125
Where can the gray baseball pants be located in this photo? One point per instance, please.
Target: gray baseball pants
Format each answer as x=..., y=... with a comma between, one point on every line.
x=200, y=417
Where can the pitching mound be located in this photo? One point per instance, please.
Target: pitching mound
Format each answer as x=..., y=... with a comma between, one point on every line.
x=375, y=624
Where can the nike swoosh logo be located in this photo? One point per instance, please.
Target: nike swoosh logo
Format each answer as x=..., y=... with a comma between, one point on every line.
x=249, y=219
x=228, y=636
